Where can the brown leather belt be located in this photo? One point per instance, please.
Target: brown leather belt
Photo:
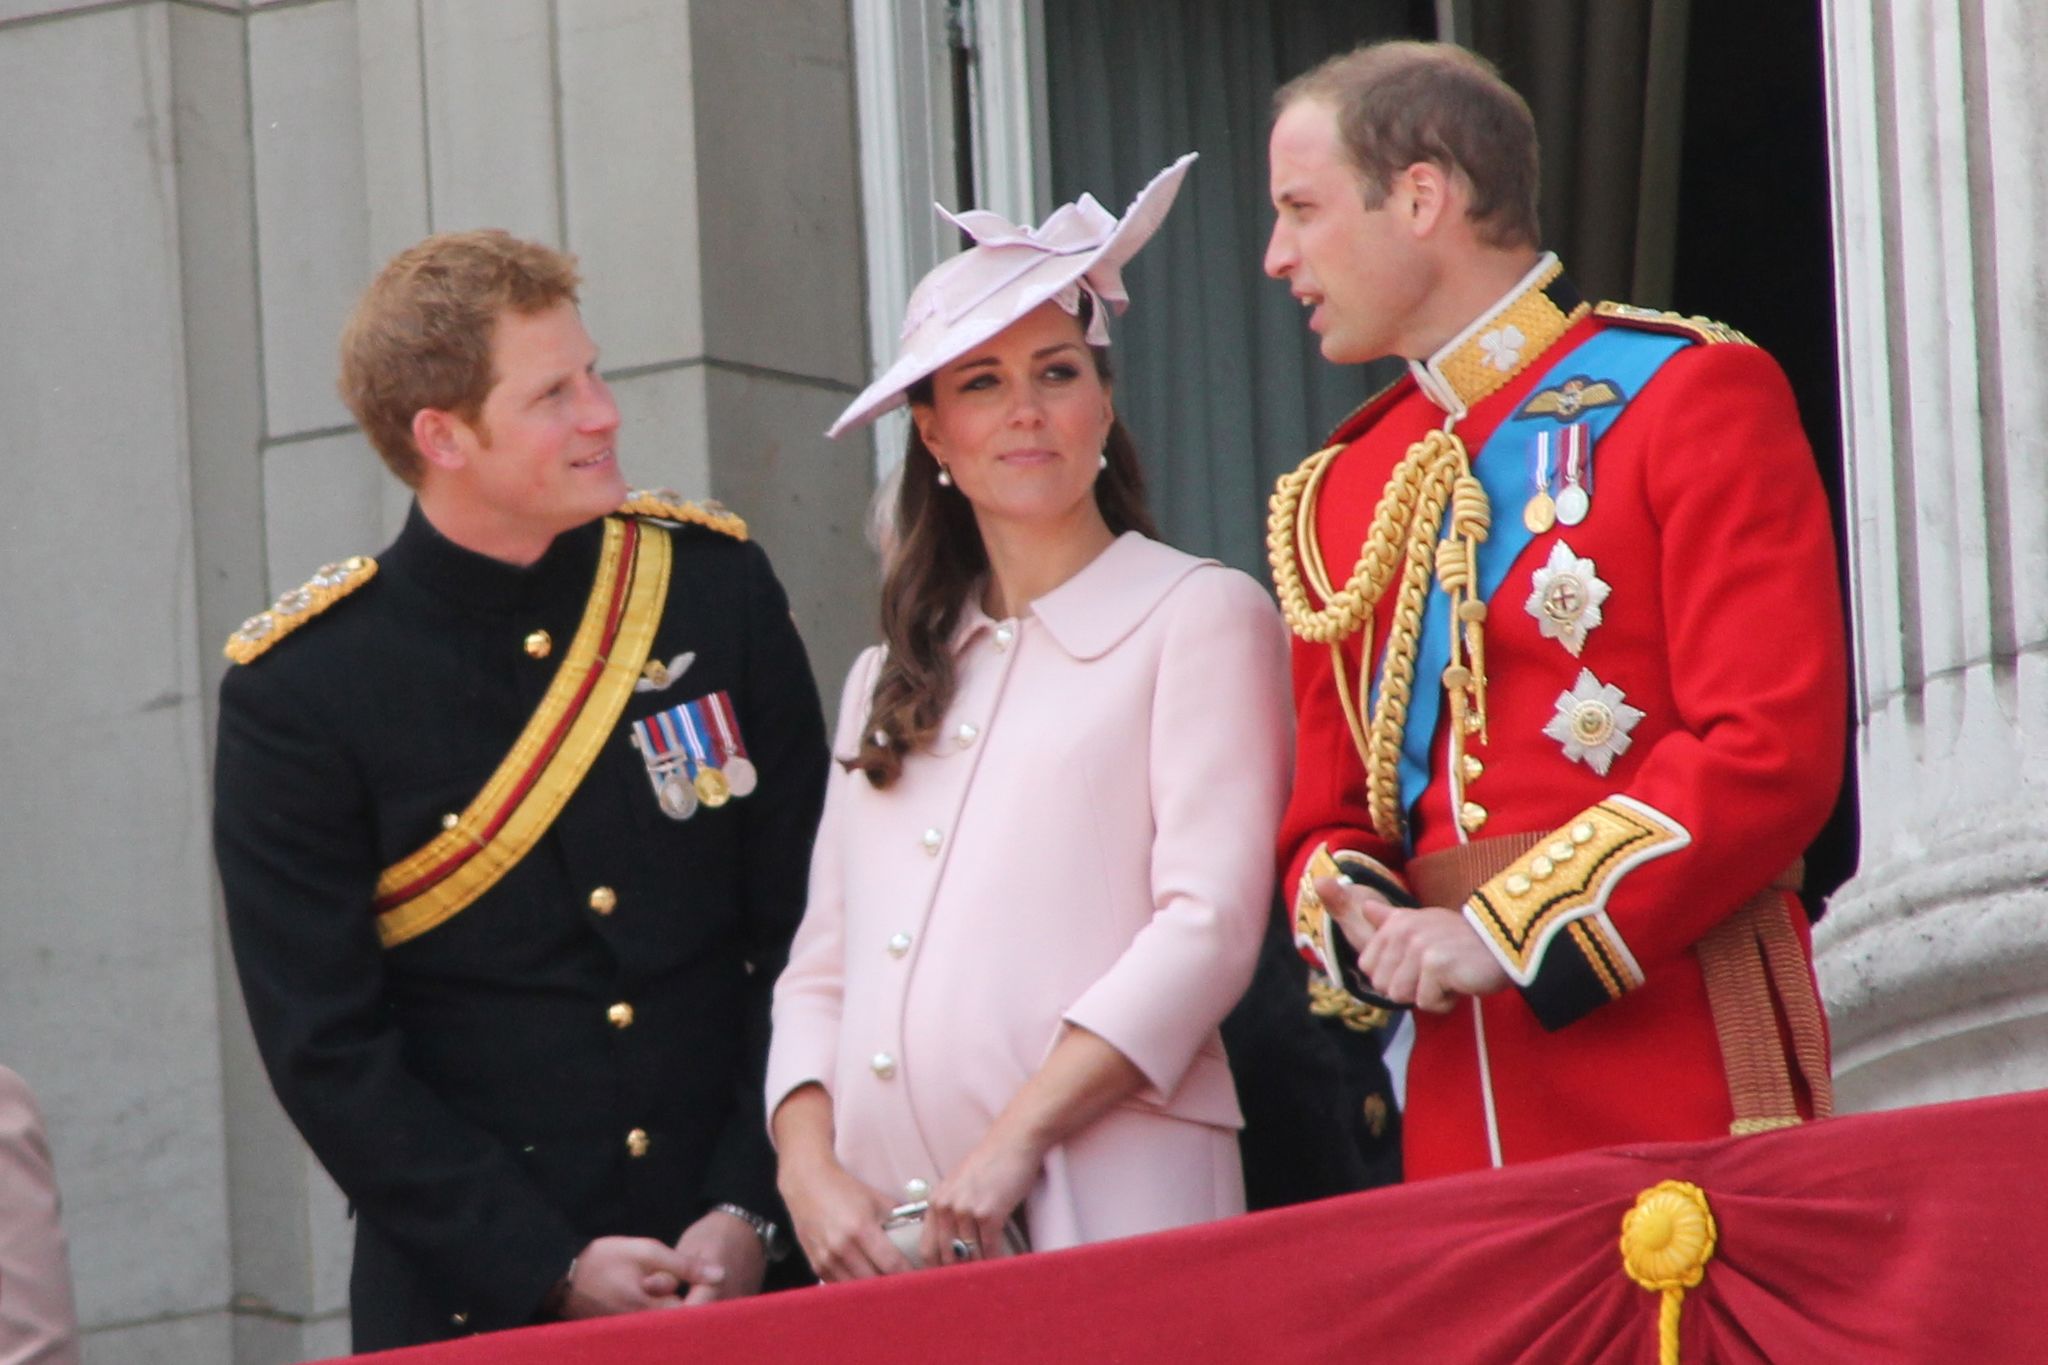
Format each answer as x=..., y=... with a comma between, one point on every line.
x=1759, y=983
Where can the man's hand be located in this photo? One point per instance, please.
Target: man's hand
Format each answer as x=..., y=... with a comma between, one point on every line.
x=726, y=1260
x=1427, y=958
x=625, y=1275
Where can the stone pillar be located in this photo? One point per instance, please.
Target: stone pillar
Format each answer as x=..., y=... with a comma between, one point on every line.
x=195, y=194
x=1934, y=960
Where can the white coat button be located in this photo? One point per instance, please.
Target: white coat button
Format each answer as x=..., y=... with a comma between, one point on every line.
x=914, y=1188
x=965, y=735
x=883, y=1065
x=899, y=944
x=932, y=839
x=1004, y=634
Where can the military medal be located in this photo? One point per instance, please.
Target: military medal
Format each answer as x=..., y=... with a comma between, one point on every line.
x=712, y=788
x=1577, y=467
x=739, y=770
x=1565, y=597
x=1593, y=723
x=667, y=765
x=1540, y=514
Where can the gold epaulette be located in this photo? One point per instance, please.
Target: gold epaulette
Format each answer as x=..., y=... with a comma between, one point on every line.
x=1653, y=320
x=665, y=504
x=300, y=605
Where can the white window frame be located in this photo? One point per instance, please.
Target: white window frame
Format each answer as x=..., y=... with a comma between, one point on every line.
x=903, y=89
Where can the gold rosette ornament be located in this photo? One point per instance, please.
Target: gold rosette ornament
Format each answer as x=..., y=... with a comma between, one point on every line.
x=1666, y=1241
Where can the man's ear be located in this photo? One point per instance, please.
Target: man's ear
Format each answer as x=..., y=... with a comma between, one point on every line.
x=438, y=436
x=1431, y=195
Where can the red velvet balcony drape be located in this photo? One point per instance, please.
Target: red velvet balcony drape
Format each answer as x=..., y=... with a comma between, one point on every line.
x=1915, y=1236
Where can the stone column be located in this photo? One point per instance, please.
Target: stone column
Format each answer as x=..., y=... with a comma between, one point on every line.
x=195, y=191
x=1934, y=960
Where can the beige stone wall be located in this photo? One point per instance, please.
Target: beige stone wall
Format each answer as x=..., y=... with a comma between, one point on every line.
x=191, y=194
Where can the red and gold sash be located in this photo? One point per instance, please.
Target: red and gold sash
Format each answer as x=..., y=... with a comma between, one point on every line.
x=553, y=752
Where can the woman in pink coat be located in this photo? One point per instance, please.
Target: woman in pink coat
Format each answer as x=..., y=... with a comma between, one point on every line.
x=1042, y=874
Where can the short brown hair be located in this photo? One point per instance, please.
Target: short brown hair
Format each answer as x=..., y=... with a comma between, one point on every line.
x=420, y=337
x=1401, y=102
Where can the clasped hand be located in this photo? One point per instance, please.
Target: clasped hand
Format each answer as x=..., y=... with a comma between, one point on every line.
x=1427, y=957
x=717, y=1257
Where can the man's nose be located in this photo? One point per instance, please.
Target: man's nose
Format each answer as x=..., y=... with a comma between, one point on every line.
x=600, y=409
x=1279, y=251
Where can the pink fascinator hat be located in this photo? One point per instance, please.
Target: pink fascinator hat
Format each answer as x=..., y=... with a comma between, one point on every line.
x=1011, y=270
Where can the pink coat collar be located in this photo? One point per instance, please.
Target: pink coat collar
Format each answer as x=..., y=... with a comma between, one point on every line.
x=1092, y=612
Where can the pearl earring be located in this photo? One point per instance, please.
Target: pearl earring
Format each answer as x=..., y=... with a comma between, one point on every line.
x=945, y=477
x=1102, y=460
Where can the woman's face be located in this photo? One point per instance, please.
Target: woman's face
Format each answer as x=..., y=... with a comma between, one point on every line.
x=1020, y=421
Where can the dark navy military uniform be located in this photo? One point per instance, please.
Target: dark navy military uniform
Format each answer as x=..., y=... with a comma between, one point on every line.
x=579, y=1052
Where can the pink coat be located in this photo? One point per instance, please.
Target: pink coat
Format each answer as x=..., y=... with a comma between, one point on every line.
x=1085, y=840
x=38, y=1325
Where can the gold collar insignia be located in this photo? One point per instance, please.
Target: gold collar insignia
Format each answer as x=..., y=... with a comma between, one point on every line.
x=1503, y=341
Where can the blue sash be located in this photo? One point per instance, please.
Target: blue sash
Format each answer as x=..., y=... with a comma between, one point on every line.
x=1623, y=356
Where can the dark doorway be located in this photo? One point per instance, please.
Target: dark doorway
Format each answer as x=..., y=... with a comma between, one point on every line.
x=1755, y=246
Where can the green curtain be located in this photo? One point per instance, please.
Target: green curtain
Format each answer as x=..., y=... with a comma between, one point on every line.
x=1218, y=376
x=1605, y=80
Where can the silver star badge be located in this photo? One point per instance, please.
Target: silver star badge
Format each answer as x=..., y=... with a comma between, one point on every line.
x=1565, y=598
x=1593, y=722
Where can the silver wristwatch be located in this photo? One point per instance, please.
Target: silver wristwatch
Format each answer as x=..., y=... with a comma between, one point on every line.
x=770, y=1235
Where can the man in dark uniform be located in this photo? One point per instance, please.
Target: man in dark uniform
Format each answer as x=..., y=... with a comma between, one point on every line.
x=513, y=824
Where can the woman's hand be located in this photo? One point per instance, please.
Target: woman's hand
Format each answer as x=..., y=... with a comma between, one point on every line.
x=838, y=1221
x=837, y=1218
x=976, y=1199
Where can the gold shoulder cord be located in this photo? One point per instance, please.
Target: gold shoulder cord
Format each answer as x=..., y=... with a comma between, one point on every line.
x=1435, y=476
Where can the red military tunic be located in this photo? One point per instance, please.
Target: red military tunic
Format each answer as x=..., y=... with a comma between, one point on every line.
x=1720, y=626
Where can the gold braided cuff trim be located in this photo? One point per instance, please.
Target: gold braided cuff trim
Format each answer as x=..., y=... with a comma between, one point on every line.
x=1563, y=884
x=295, y=608
x=1320, y=942
x=1326, y=1001
x=665, y=504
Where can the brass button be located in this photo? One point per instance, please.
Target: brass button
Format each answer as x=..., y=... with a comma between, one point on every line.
x=883, y=1065
x=931, y=841
x=899, y=944
x=1472, y=816
x=1541, y=867
x=539, y=645
x=637, y=1142
x=1561, y=850
x=1474, y=769
x=450, y=820
x=604, y=900
x=621, y=1015
x=1517, y=884
x=1582, y=832
x=916, y=1188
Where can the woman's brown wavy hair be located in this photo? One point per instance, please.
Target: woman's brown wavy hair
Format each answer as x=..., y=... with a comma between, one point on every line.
x=937, y=560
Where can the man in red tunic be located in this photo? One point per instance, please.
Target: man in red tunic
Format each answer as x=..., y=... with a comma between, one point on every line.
x=1569, y=666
